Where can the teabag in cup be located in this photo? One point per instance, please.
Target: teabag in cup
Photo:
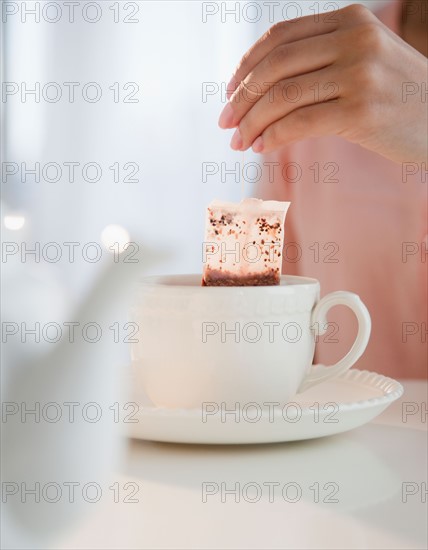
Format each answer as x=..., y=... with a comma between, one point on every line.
x=243, y=243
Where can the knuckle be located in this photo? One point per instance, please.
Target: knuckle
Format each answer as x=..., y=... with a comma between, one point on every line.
x=357, y=12
x=276, y=30
x=371, y=37
x=278, y=56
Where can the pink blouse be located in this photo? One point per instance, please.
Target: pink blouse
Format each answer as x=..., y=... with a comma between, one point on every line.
x=358, y=222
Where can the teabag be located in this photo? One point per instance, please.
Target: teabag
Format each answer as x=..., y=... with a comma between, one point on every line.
x=243, y=243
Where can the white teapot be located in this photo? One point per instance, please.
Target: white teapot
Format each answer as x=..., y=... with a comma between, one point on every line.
x=71, y=441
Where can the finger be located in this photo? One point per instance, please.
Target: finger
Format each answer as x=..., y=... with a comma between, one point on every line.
x=282, y=33
x=285, y=97
x=285, y=61
x=298, y=29
x=322, y=119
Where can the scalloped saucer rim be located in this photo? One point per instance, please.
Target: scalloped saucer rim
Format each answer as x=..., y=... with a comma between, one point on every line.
x=360, y=396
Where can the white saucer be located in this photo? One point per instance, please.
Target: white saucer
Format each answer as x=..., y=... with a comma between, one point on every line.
x=335, y=406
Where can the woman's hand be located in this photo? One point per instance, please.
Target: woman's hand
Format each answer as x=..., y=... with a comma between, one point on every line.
x=345, y=74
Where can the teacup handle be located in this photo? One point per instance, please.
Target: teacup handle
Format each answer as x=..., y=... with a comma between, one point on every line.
x=318, y=317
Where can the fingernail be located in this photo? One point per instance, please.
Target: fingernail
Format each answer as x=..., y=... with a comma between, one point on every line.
x=236, y=142
x=258, y=145
x=226, y=117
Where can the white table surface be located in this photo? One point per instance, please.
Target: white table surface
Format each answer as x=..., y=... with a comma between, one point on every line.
x=368, y=465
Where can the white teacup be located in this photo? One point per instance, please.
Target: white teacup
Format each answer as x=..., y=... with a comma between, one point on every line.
x=233, y=344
